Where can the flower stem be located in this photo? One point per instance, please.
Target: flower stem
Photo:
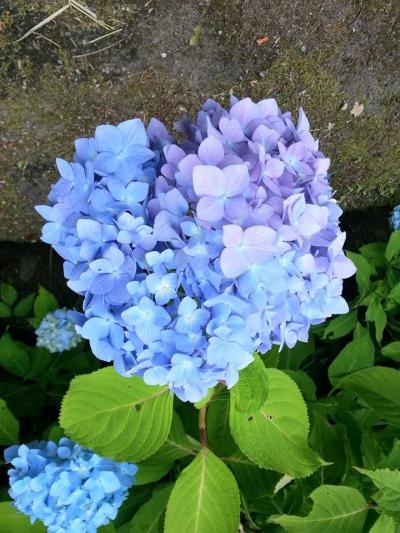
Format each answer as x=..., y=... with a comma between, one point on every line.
x=202, y=426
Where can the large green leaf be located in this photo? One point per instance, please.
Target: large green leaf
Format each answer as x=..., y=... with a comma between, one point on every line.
x=12, y=521
x=137, y=496
x=327, y=439
x=305, y=383
x=121, y=418
x=393, y=246
x=9, y=425
x=379, y=387
x=356, y=355
x=388, y=483
x=364, y=271
x=218, y=432
x=340, y=326
x=374, y=252
x=205, y=498
x=335, y=509
x=251, y=391
x=384, y=524
x=150, y=473
x=150, y=517
x=13, y=357
x=275, y=436
x=254, y=482
x=289, y=358
x=175, y=447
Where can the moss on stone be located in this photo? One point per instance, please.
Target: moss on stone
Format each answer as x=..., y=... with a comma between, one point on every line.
x=51, y=96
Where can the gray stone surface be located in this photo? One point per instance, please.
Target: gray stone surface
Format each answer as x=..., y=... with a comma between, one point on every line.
x=325, y=56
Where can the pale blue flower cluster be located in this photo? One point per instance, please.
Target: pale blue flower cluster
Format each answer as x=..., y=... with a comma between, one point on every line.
x=69, y=488
x=395, y=218
x=193, y=255
x=57, y=331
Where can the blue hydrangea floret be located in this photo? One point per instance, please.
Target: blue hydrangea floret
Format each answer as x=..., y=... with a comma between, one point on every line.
x=67, y=487
x=57, y=331
x=394, y=218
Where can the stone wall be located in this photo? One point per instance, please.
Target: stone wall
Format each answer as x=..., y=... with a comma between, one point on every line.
x=338, y=59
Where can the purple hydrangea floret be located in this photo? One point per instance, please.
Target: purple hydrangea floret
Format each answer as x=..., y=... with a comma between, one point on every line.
x=191, y=256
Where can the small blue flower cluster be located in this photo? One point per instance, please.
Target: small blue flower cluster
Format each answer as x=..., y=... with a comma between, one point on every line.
x=57, y=331
x=193, y=255
x=69, y=488
x=394, y=219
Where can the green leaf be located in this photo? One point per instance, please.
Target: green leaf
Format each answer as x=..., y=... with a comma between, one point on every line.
x=275, y=436
x=305, y=384
x=150, y=517
x=137, y=496
x=24, y=306
x=292, y=358
x=392, y=350
x=254, y=482
x=393, y=246
x=335, y=509
x=5, y=311
x=12, y=521
x=41, y=360
x=150, y=473
x=388, y=483
x=217, y=422
x=13, y=357
x=8, y=294
x=118, y=417
x=23, y=400
x=45, y=302
x=340, y=326
x=54, y=433
x=251, y=391
x=205, y=498
x=327, y=439
x=379, y=387
x=394, y=294
x=374, y=253
x=392, y=460
x=356, y=355
x=364, y=271
x=376, y=314
x=9, y=425
x=175, y=447
x=384, y=524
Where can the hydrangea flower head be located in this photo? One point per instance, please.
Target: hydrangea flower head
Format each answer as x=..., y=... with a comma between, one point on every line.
x=394, y=218
x=57, y=331
x=67, y=487
x=218, y=246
